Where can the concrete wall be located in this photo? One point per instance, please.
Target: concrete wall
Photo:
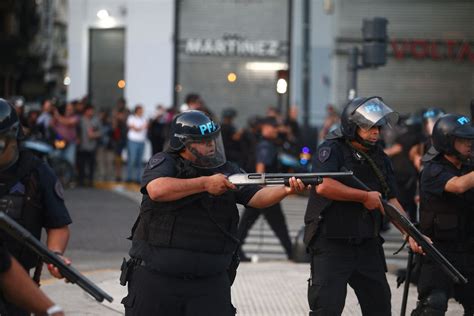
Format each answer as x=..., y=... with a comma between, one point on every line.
x=149, y=27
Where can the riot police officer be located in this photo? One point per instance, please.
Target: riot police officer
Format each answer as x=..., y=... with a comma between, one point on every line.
x=266, y=161
x=16, y=285
x=185, y=236
x=343, y=223
x=31, y=194
x=446, y=215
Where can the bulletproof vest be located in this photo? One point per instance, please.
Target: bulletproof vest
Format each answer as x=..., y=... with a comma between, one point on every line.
x=341, y=220
x=22, y=202
x=447, y=217
x=199, y=222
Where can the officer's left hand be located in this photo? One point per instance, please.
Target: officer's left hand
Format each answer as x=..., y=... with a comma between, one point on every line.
x=417, y=248
x=55, y=271
x=296, y=186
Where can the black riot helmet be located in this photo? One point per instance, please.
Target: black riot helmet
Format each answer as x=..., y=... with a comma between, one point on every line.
x=449, y=127
x=10, y=132
x=365, y=113
x=196, y=131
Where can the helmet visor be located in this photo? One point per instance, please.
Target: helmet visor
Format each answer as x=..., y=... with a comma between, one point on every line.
x=208, y=151
x=374, y=113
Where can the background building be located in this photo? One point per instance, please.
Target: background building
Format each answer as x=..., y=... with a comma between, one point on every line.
x=230, y=51
x=431, y=53
x=121, y=48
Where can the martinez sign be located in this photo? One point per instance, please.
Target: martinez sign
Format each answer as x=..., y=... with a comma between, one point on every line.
x=456, y=50
x=232, y=47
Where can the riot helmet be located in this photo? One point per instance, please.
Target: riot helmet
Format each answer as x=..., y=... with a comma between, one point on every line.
x=365, y=113
x=10, y=132
x=429, y=117
x=449, y=127
x=196, y=132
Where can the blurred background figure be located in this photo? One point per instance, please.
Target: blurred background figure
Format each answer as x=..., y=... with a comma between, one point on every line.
x=266, y=161
x=65, y=125
x=158, y=129
x=331, y=122
x=105, y=152
x=119, y=135
x=231, y=137
x=45, y=119
x=248, y=143
x=90, y=133
x=136, y=137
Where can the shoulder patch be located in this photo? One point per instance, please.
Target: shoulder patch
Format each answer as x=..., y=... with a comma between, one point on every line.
x=435, y=170
x=324, y=153
x=156, y=161
x=59, y=190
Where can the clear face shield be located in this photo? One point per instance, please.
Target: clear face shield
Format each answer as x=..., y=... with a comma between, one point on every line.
x=374, y=113
x=208, y=151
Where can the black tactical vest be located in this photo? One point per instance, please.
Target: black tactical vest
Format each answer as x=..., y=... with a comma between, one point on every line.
x=23, y=204
x=447, y=217
x=346, y=220
x=200, y=222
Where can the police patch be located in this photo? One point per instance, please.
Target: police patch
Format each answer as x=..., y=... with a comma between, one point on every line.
x=324, y=153
x=155, y=161
x=59, y=190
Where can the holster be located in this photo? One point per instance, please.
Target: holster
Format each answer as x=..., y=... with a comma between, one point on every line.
x=127, y=268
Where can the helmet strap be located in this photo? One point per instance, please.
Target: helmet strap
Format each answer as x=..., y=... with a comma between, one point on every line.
x=363, y=142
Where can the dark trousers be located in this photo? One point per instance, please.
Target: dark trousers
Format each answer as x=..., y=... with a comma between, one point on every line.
x=433, y=278
x=86, y=167
x=150, y=293
x=336, y=263
x=276, y=220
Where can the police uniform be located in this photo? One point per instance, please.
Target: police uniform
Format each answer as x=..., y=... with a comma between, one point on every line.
x=343, y=237
x=33, y=196
x=183, y=249
x=448, y=219
x=267, y=153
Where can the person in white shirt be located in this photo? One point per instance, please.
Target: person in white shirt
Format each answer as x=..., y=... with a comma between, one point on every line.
x=136, y=137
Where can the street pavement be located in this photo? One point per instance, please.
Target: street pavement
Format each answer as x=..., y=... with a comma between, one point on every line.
x=270, y=285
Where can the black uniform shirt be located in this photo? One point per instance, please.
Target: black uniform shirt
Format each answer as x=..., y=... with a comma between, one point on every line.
x=437, y=173
x=54, y=211
x=163, y=165
x=445, y=216
x=330, y=158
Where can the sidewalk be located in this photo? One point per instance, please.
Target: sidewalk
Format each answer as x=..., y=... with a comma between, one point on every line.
x=272, y=286
x=261, y=289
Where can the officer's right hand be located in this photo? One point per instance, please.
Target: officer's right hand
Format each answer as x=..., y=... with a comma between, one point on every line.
x=218, y=184
x=373, y=202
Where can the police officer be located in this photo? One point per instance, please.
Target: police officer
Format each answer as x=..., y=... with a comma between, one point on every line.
x=231, y=137
x=31, y=194
x=18, y=288
x=267, y=161
x=343, y=223
x=185, y=236
x=447, y=215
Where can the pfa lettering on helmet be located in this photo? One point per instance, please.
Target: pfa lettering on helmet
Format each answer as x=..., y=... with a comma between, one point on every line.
x=463, y=120
x=372, y=107
x=207, y=128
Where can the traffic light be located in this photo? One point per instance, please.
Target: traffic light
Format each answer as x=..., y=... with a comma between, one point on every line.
x=374, y=49
x=282, y=81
